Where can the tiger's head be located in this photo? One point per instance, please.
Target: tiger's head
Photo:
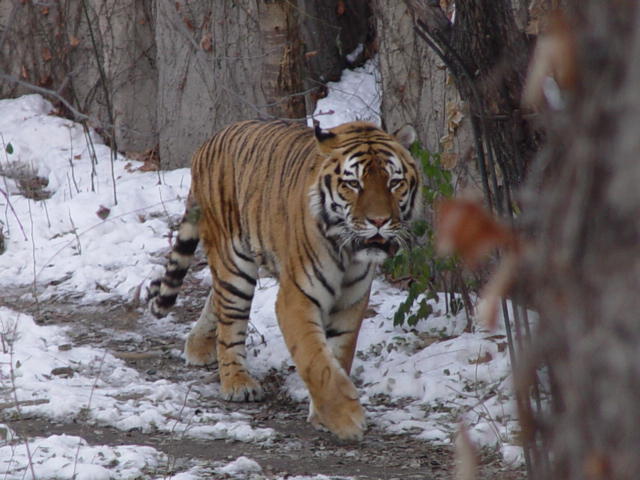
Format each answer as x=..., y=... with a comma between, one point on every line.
x=368, y=189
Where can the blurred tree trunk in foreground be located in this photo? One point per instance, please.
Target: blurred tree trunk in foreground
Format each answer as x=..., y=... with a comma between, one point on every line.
x=581, y=200
x=584, y=268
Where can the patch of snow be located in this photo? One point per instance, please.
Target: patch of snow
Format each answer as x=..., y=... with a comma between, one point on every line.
x=353, y=56
x=241, y=467
x=61, y=457
x=102, y=389
x=357, y=96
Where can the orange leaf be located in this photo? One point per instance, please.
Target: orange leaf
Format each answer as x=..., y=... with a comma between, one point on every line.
x=46, y=54
x=206, y=43
x=466, y=228
x=340, y=8
x=74, y=41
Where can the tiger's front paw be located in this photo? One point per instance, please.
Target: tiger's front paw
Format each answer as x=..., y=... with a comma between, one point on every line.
x=200, y=349
x=241, y=387
x=339, y=410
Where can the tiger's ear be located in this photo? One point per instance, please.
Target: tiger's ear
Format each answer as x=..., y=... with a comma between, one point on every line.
x=326, y=138
x=406, y=135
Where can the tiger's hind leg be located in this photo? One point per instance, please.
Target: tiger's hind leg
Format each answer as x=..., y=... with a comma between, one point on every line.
x=234, y=280
x=200, y=346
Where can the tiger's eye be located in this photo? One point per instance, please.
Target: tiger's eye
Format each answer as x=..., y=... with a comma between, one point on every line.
x=355, y=184
x=396, y=182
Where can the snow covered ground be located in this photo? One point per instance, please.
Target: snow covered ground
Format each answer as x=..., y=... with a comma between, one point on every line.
x=80, y=242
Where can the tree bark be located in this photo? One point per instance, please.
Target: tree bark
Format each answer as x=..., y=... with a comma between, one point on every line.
x=486, y=53
x=282, y=65
x=584, y=265
x=173, y=73
x=53, y=46
x=414, y=80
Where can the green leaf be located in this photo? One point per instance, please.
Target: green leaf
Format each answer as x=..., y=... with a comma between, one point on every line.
x=9, y=148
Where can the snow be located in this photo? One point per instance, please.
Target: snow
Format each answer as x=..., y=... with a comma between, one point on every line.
x=241, y=466
x=439, y=374
x=64, y=456
x=356, y=97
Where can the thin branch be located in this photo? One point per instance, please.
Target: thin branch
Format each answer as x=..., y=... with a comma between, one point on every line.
x=6, y=195
x=107, y=97
x=78, y=116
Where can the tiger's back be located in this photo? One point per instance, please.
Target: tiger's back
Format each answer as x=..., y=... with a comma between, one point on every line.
x=321, y=209
x=247, y=187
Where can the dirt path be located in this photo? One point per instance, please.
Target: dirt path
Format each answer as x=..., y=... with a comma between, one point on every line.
x=297, y=448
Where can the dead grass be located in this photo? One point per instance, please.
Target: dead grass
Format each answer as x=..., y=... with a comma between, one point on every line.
x=29, y=183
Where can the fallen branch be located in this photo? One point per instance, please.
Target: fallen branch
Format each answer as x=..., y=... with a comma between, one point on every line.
x=23, y=403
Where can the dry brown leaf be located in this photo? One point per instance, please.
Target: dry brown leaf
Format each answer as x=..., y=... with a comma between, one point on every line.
x=341, y=8
x=45, y=81
x=449, y=160
x=486, y=357
x=206, y=43
x=103, y=212
x=454, y=115
x=465, y=227
x=446, y=142
x=24, y=73
x=74, y=41
x=188, y=23
x=149, y=158
x=46, y=54
x=597, y=466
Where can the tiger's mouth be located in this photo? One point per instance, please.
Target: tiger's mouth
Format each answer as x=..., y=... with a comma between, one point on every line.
x=389, y=246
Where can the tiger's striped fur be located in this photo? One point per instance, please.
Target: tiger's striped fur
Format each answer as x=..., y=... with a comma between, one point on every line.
x=320, y=211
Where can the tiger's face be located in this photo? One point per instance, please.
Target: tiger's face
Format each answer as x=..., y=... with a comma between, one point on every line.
x=368, y=189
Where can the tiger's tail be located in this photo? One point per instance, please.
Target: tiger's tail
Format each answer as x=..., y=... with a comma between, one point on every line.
x=164, y=291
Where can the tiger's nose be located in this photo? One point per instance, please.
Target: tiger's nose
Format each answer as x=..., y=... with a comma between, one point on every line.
x=378, y=221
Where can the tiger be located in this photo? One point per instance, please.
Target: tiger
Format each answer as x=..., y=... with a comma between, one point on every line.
x=319, y=209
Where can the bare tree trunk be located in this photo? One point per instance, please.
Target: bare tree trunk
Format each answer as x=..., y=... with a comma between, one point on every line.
x=97, y=55
x=172, y=73
x=486, y=53
x=223, y=61
x=282, y=70
x=584, y=269
x=332, y=29
x=414, y=81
